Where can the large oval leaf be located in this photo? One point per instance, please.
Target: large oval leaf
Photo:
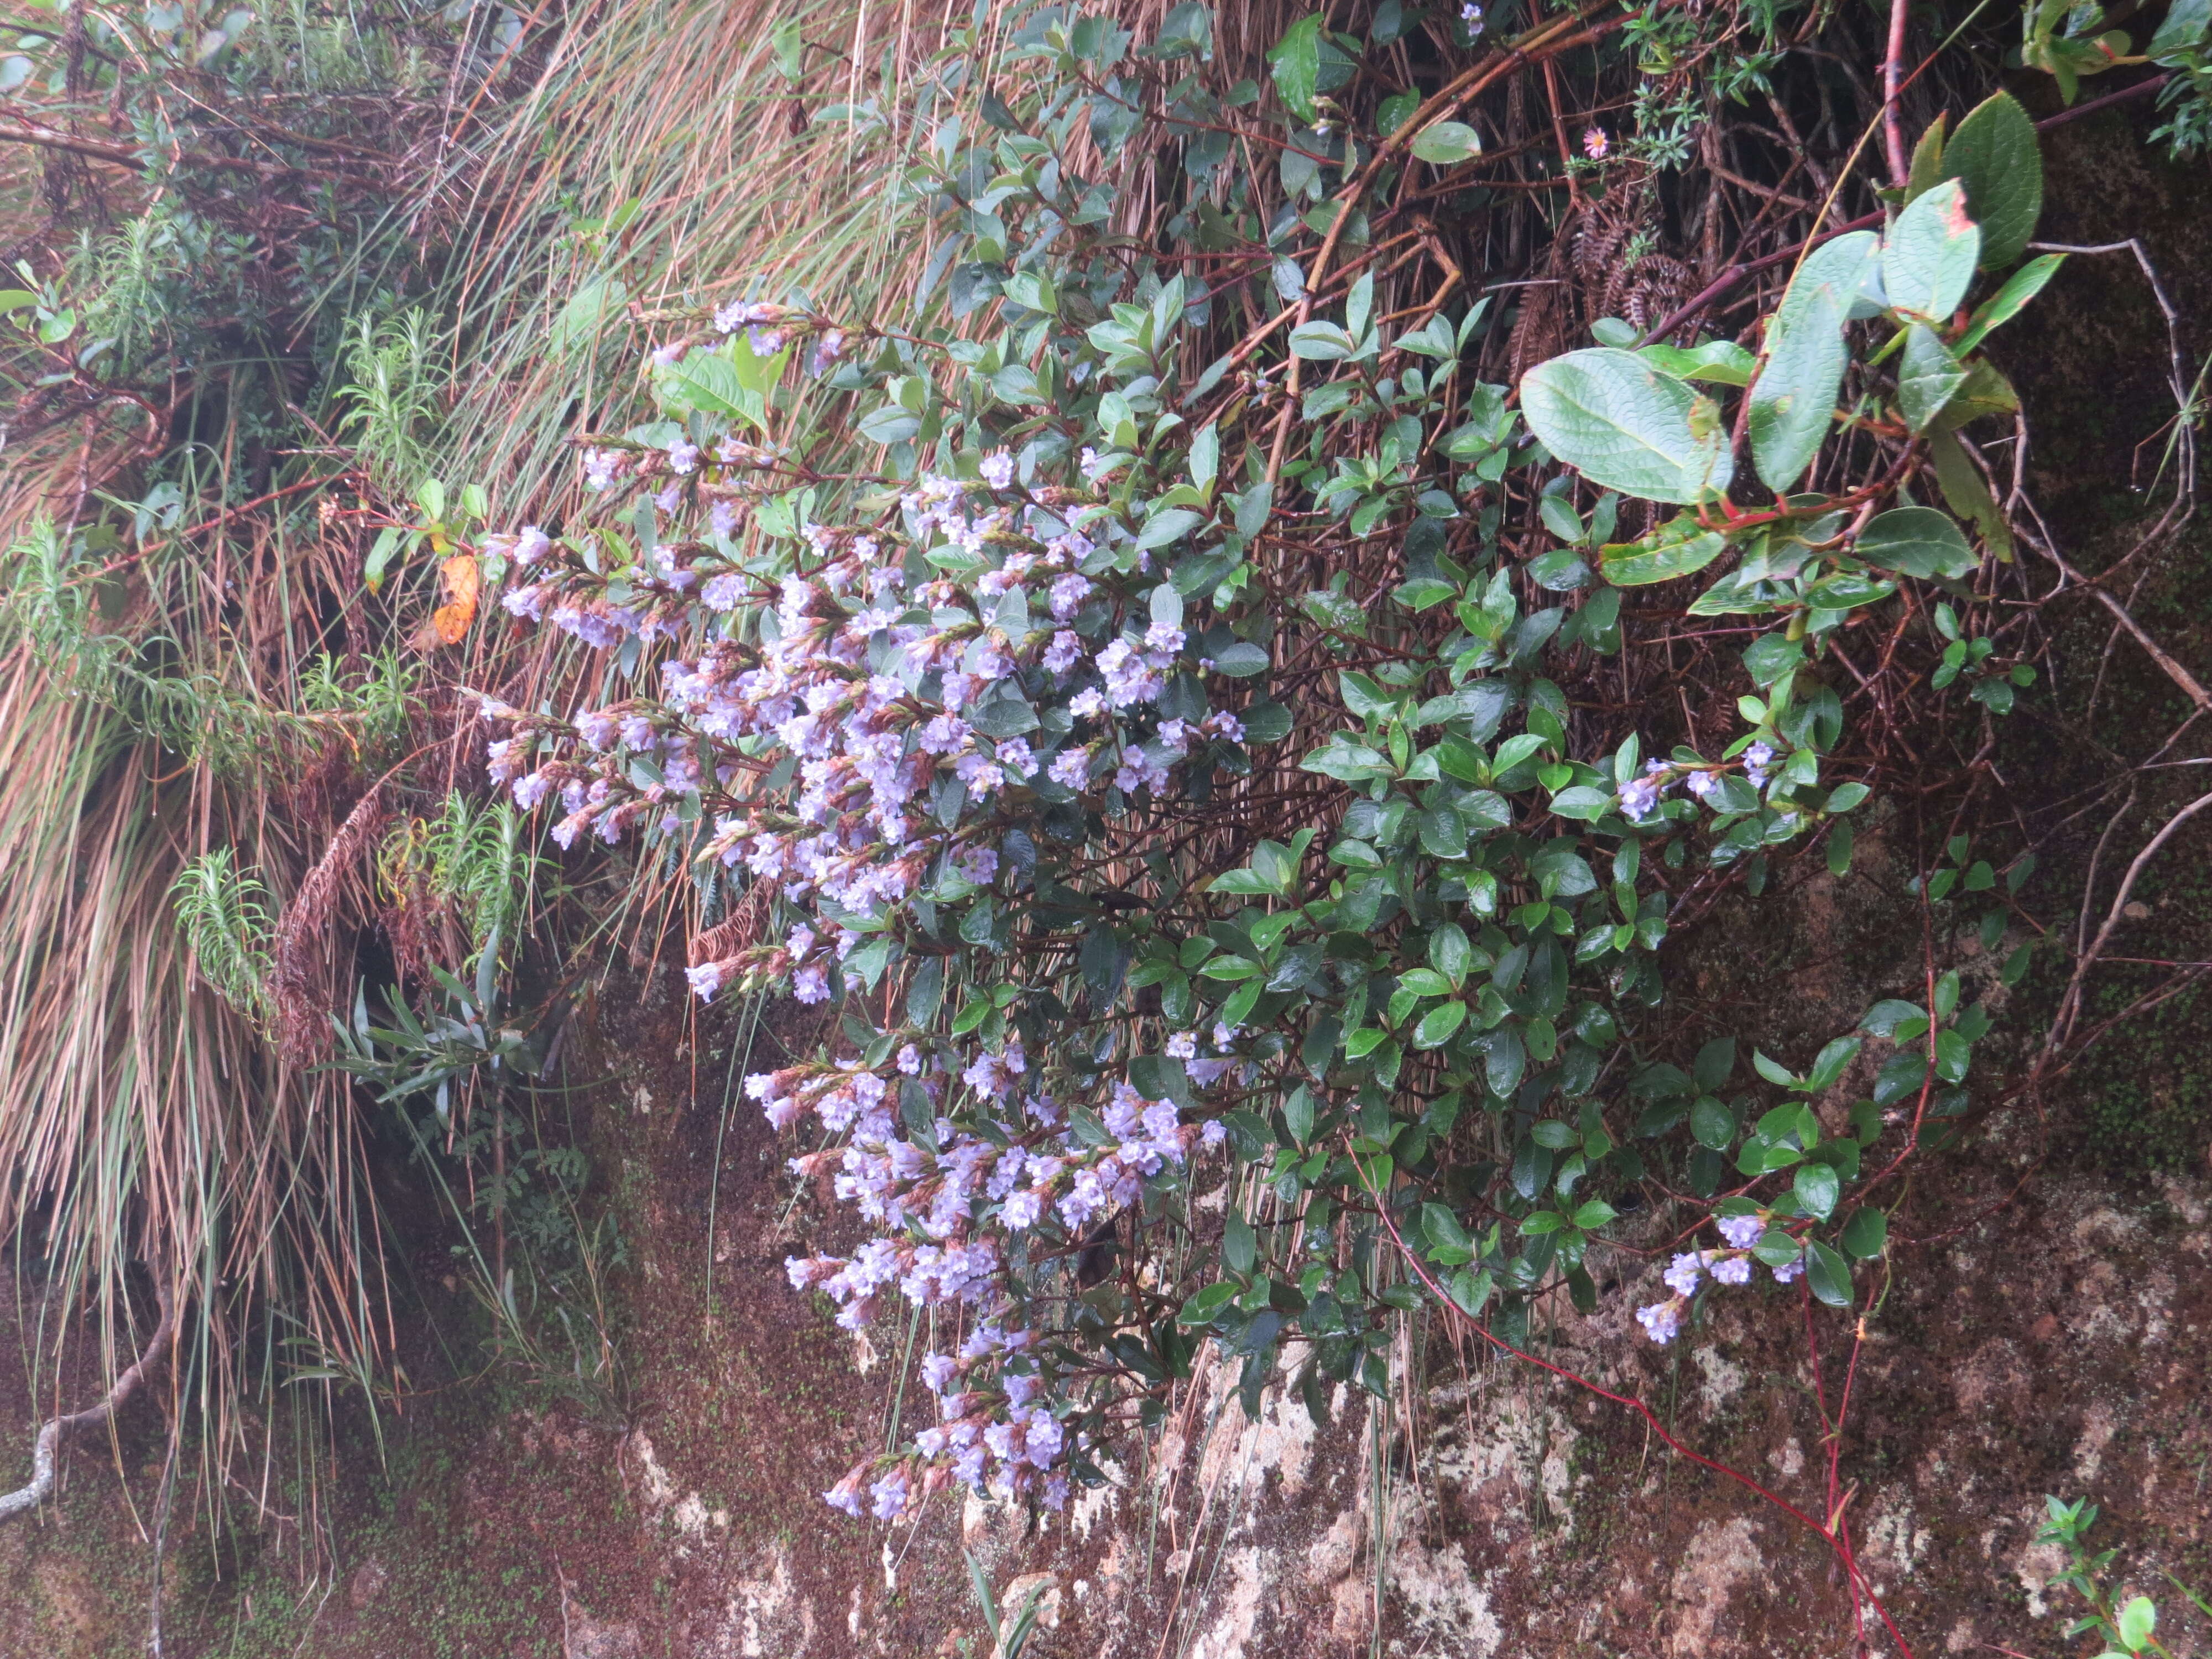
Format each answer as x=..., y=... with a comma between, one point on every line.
x=1843, y=268
x=1624, y=424
x=1445, y=143
x=1929, y=257
x=1794, y=396
x=1994, y=155
x=1917, y=541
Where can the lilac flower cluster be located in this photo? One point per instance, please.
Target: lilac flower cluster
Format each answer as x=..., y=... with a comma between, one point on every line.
x=1640, y=797
x=872, y=667
x=1662, y=1321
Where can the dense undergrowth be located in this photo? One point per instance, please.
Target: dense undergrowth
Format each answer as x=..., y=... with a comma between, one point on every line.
x=1230, y=591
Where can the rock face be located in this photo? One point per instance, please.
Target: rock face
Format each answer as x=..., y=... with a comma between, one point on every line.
x=2049, y=1341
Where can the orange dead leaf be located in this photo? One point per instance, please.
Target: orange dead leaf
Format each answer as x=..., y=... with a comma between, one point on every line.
x=450, y=621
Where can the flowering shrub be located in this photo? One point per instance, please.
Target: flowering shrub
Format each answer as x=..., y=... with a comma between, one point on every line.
x=1165, y=767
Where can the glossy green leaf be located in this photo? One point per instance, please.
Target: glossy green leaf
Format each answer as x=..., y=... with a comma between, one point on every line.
x=1866, y=1233
x=1818, y=1187
x=1295, y=62
x=1679, y=549
x=1828, y=1273
x=1438, y=1025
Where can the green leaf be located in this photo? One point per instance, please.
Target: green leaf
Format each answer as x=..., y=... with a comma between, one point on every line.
x=1595, y=1214
x=1621, y=422
x=1927, y=376
x=588, y=309
x=1842, y=270
x=1828, y=1273
x=1445, y=143
x=1171, y=526
x=2188, y=26
x=1917, y=541
x=1679, y=549
x=1866, y=1233
x=925, y=990
x=1240, y=1246
x=1793, y=399
x=1927, y=169
x=1995, y=155
x=2008, y=301
x=1722, y=362
x=1928, y=258
x=1241, y=660
x=1818, y=1187
x=1201, y=1308
x=1582, y=802
x=1295, y=62
x=1321, y=343
x=2137, y=1619
x=1773, y=1070
x=1438, y=1025
x=1712, y=1124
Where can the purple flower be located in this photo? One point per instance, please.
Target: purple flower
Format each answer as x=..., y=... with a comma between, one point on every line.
x=826, y=350
x=1759, y=763
x=528, y=602
x=1164, y=637
x=1042, y=1443
x=1732, y=1270
x=1639, y=799
x=706, y=979
x=1068, y=593
x=1789, y=1271
x=1660, y=1320
x=998, y=470
x=890, y=1495
x=1183, y=1045
x=1742, y=1231
x=1682, y=1276
x=1064, y=652
x=810, y=985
